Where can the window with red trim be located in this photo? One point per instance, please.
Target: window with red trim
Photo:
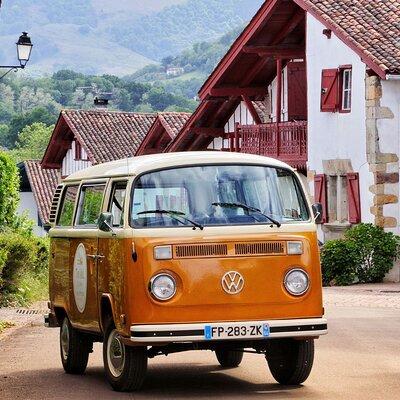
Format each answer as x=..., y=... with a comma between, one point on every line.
x=336, y=89
x=345, y=88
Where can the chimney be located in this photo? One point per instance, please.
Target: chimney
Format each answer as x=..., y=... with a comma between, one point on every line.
x=101, y=101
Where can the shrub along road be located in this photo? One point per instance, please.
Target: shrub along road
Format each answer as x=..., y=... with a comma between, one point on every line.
x=359, y=359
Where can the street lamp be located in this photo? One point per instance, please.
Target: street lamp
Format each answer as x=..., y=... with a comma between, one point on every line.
x=24, y=49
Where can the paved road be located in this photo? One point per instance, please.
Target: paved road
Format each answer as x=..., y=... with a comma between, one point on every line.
x=359, y=359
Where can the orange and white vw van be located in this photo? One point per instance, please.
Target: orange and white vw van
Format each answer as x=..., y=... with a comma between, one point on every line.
x=186, y=251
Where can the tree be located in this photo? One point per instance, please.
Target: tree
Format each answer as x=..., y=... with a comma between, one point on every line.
x=9, y=189
x=32, y=141
x=19, y=121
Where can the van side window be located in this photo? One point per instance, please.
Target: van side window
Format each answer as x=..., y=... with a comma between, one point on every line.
x=90, y=201
x=67, y=206
x=117, y=202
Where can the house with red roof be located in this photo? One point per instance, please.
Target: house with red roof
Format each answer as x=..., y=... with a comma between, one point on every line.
x=81, y=139
x=328, y=75
x=314, y=83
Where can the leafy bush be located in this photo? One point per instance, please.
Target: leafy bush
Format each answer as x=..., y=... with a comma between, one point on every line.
x=376, y=249
x=339, y=260
x=9, y=189
x=23, y=267
x=365, y=255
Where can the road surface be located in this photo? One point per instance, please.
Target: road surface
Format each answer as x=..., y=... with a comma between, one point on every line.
x=359, y=359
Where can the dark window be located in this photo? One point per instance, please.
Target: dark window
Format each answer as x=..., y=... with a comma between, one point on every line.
x=78, y=150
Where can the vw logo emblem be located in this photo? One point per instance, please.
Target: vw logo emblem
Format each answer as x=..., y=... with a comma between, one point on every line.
x=232, y=282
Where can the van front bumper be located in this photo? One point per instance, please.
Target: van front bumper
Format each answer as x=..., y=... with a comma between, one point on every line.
x=307, y=327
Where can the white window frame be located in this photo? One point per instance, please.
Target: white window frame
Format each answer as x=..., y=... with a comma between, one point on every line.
x=346, y=90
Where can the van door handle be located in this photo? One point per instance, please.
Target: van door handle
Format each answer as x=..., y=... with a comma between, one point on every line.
x=95, y=256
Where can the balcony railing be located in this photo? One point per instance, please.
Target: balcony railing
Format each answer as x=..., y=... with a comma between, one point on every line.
x=286, y=141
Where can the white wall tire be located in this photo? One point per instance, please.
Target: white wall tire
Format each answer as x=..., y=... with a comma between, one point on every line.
x=125, y=366
x=74, y=349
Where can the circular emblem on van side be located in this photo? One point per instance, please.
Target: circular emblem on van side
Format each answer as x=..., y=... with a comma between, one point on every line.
x=232, y=282
x=79, y=278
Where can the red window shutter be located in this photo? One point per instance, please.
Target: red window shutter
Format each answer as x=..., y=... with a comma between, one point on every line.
x=297, y=91
x=330, y=90
x=78, y=151
x=353, y=196
x=320, y=195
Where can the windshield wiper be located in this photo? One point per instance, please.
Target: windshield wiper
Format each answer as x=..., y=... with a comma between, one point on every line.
x=175, y=215
x=248, y=208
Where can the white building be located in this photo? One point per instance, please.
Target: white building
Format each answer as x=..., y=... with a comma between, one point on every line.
x=339, y=111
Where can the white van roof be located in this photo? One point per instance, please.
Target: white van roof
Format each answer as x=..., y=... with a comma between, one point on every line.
x=138, y=165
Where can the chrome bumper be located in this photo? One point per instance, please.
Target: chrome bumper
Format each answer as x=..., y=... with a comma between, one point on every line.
x=195, y=332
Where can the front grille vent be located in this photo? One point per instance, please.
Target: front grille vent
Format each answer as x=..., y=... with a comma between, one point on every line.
x=202, y=250
x=259, y=248
x=54, y=204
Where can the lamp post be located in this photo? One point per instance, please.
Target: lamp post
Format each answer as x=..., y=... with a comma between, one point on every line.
x=24, y=49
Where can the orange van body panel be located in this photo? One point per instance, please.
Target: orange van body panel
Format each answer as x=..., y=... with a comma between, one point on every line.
x=200, y=296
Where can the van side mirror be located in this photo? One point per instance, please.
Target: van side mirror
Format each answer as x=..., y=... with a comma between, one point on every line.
x=47, y=226
x=105, y=222
x=318, y=213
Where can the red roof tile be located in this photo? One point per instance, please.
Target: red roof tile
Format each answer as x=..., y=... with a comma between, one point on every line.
x=43, y=184
x=108, y=136
x=174, y=121
x=372, y=26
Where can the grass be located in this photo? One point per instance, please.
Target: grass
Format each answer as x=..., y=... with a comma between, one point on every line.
x=5, y=325
x=31, y=287
x=35, y=287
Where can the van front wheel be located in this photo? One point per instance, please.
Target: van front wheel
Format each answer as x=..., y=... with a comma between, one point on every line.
x=229, y=358
x=125, y=366
x=290, y=361
x=74, y=349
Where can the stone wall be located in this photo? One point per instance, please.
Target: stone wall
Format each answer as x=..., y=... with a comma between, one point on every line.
x=384, y=166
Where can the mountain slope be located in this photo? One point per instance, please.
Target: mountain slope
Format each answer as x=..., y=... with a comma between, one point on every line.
x=178, y=27
x=118, y=37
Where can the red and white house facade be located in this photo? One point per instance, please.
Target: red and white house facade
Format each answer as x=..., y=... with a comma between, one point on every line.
x=315, y=83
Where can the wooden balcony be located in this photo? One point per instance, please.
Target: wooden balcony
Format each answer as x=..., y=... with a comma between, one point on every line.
x=286, y=141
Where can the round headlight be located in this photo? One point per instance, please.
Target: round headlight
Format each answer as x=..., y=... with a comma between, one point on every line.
x=163, y=287
x=296, y=282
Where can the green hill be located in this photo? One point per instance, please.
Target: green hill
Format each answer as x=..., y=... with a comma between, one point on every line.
x=114, y=37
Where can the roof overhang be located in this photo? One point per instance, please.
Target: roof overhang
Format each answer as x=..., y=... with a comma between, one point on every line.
x=346, y=39
x=277, y=31
x=158, y=137
x=63, y=135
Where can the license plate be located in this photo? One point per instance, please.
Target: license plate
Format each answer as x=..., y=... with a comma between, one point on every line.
x=243, y=331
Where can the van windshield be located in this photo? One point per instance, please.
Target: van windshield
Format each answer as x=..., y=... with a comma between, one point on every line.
x=217, y=195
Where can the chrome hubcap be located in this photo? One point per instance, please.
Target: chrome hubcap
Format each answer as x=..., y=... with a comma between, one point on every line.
x=115, y=354
x=64, y=339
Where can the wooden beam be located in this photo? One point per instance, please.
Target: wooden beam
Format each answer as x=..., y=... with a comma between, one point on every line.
x=297, y=17
x=238, y=91
x=46, y=165
x=252, y=110
x=259, y=19
x=220, y=118
x=257, y=68
x=195, y=145
x=205, y=131
x=276, y=51
x=64, y=144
